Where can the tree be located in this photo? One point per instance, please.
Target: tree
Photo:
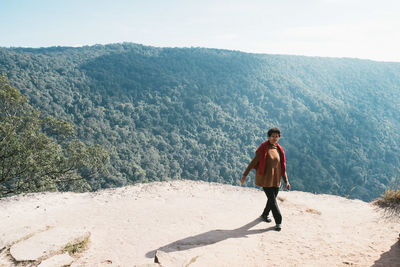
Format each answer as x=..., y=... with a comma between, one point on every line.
x=41, y=153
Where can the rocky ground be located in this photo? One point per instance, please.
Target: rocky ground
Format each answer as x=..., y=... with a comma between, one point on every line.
x=192, y=223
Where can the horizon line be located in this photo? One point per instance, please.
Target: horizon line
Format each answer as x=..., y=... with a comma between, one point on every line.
x=191, y=47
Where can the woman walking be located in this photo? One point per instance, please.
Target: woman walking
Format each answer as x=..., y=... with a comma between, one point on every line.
x=270, y=164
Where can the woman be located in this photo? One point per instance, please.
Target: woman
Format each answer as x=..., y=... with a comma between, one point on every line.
x=270, y=165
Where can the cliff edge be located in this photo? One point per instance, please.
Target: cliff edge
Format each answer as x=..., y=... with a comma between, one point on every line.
x=192, y=223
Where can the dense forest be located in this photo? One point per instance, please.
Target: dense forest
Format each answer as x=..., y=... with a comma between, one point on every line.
x=196, y=113
x=40, y=152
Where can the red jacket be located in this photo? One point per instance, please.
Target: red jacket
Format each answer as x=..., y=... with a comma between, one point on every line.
x=263, y=150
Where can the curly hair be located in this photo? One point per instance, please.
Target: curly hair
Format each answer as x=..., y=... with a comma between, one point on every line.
x=274, y=130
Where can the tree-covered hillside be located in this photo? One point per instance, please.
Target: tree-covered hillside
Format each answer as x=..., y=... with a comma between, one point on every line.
x=168, y=113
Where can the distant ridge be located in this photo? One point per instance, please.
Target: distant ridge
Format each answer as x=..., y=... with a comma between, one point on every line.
x=199, y=113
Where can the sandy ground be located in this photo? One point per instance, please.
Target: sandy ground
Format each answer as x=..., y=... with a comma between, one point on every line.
x=206, y=224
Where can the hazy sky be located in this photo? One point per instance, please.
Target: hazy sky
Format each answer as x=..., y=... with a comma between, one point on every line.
x=336, y=28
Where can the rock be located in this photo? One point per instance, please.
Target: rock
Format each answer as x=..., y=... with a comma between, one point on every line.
x=46, y=243
x=166, y=259
x=57, y=261
x=15, y=234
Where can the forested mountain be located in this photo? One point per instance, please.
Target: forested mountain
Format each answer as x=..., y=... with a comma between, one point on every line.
x=196, y=113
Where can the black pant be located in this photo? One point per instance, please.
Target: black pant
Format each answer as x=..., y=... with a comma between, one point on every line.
x=272, y=205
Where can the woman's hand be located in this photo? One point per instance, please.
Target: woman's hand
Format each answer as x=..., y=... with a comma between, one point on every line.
x=243, y=179
x=285, y=179
x=287, y=186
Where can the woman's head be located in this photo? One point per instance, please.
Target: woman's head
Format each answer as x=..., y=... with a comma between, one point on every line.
x=273, y=135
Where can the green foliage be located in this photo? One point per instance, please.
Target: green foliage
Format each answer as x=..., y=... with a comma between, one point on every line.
x=390, y=200
x=40, y=153
x=169, y=113
x=74, y=248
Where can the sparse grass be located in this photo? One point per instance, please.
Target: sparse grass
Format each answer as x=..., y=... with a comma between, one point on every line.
x=75, y=248
x=390, y=200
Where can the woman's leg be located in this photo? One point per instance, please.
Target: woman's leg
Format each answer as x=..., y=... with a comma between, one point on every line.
x=267, y=208
x=272, y=204
x=275, y=207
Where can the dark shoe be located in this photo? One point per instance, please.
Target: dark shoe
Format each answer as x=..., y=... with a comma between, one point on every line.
x=278, y=227
x=266, y=218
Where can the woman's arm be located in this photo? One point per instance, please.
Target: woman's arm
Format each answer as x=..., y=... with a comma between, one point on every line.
x=251, y=165
x=285, y=179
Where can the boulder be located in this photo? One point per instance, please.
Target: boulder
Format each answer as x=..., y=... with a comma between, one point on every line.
x=14, y=234
x=167, y=259
x=59, y=260
x=46, y=243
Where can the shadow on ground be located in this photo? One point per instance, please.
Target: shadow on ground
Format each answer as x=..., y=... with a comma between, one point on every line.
x=389, y=258
x=210, y=237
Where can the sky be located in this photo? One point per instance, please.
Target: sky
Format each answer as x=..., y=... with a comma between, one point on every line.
x=367, y=29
